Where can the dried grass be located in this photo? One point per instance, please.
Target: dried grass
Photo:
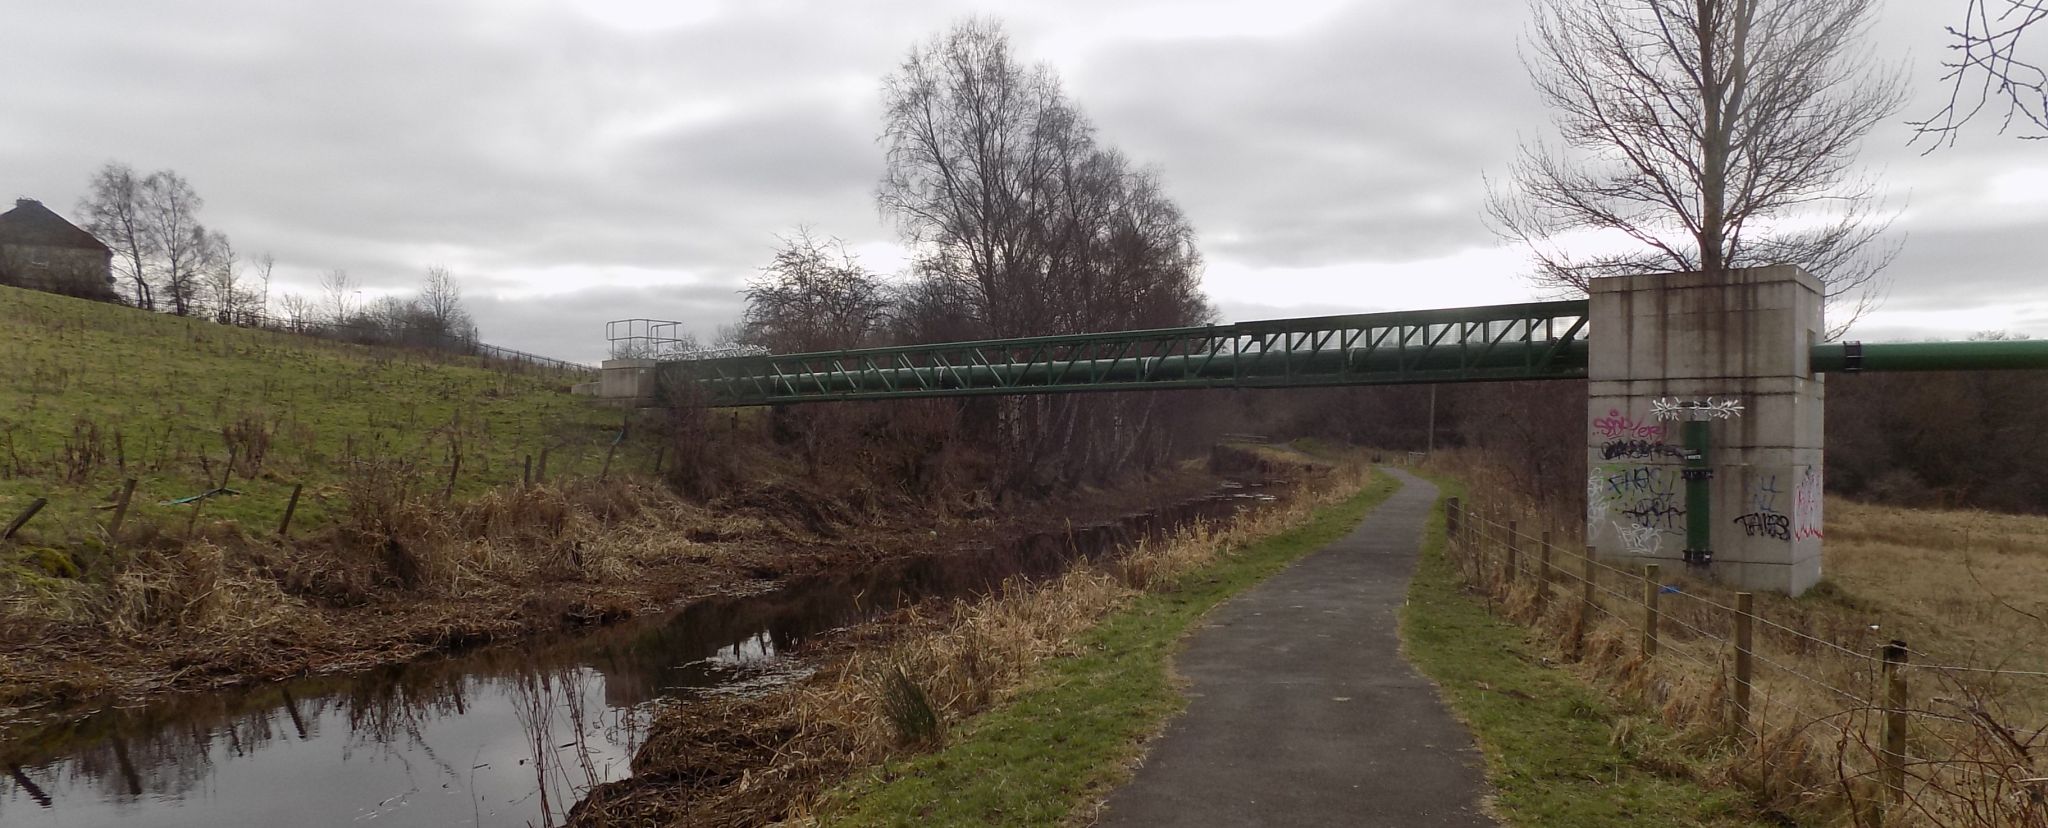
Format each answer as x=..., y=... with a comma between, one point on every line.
x=1811, y=750
x=766, y=760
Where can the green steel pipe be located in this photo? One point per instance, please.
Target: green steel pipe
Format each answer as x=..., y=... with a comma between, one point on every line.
x=1978, y=355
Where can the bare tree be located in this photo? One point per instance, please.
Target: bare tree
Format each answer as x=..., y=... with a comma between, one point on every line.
x=299, y=311
x=1986, y=70
x=221, y=282
x=969, y=132
x=1023, y=223
x=812, y=297
x=264, y=265
x=177, y=242
x=440, y=303
x=1706, y=134
x=113, y=212
x=338, y=293
x=1000, y=184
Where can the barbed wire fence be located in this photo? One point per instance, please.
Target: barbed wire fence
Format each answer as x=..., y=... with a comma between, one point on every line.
x=1810, y=720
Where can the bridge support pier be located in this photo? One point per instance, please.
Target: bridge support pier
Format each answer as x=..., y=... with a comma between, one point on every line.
x=625, y=382
x=1730, y=352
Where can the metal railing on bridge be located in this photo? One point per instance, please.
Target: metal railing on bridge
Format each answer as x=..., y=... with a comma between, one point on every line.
x=1540, y=340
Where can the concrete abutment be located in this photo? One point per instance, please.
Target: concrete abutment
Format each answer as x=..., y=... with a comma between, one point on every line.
x=1730, y=351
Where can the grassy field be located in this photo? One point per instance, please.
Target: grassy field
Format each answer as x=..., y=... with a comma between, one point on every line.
x=1069, y=737
x=1970, y=587
x=96, y=393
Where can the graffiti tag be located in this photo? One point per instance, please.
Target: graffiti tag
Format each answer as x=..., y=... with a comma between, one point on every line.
x=1617, y=424
x=1764, y=498
x=1640, y=540
x=1596, y=502
x=1766, y=524
x=1638, y=449
x=1655, y=513
x=1806, y=506
x=1764, y=519
x=1711, y=408
x=1642, y=501
x=1641, y=481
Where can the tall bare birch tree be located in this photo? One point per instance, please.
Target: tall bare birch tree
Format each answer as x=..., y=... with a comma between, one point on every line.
x=1705, y=135
x=170, y=217
x=113, y=212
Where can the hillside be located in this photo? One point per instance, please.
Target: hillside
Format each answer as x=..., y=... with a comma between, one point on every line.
x=96, y=393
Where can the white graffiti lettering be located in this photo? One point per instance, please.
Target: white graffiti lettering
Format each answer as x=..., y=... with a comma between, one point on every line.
x=1711, y=408
x=1640, y=540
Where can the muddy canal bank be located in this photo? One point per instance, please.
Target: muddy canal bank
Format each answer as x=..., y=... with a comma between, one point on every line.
x=420, y=577
x=509, y=734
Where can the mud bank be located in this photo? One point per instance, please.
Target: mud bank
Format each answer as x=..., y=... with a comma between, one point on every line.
x=512, y=734
x=231, y=610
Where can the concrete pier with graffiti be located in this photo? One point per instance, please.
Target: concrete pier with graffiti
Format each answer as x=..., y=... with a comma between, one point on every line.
x=1704, y=427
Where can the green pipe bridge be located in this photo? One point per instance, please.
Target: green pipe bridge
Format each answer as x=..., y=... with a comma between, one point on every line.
x=1529, y=341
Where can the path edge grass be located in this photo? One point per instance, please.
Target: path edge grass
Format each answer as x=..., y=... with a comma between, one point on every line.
x=1558, y=751
x=1050, y=754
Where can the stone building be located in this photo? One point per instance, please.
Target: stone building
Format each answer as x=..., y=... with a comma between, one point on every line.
x=39, y=250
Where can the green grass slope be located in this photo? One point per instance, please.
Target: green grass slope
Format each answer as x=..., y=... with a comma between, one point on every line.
x=91, y=394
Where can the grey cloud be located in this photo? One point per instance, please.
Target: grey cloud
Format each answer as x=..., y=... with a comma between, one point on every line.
x=355, y=137
x=1960, y=267
x=1366, y=138
x=571, y=325
x=384, y=136
x=1234, y=311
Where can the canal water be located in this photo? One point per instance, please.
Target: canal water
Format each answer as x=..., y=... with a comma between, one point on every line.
x=507, y=735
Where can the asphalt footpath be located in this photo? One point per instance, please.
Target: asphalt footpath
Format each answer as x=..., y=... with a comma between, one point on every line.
x=1301, y=709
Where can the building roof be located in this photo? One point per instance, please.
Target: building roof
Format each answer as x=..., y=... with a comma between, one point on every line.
x=32, y=223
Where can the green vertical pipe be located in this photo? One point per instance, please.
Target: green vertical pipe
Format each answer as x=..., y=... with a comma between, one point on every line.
x=1699, y=509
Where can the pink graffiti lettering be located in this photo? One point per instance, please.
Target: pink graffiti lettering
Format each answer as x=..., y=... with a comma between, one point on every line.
x=1617, y=424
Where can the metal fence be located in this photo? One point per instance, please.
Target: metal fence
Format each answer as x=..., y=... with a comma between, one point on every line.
x=666, y=340
x=371, y=332
x=1818, y=711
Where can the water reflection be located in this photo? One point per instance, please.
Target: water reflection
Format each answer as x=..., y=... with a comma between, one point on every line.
x=508, y=735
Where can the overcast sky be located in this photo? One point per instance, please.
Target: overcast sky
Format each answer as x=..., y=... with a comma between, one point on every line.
x=578, y=162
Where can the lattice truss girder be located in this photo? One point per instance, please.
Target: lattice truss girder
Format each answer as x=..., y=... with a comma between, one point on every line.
x=1543, y=340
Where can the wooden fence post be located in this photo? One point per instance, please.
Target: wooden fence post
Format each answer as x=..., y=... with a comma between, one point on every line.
x=540, y=473
x=1514, y=552
x=121, y=510
x=1650, y=610
x=1745, y=607
x=1586, y=590
x=1451, y=518
x=526, y=476
x=660, y=453
x=22, y=519
x=606, y=472
x=291, y=506
x=454, y=469
x=1895, y=719
x=1482, y=559
x=1576, y=647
